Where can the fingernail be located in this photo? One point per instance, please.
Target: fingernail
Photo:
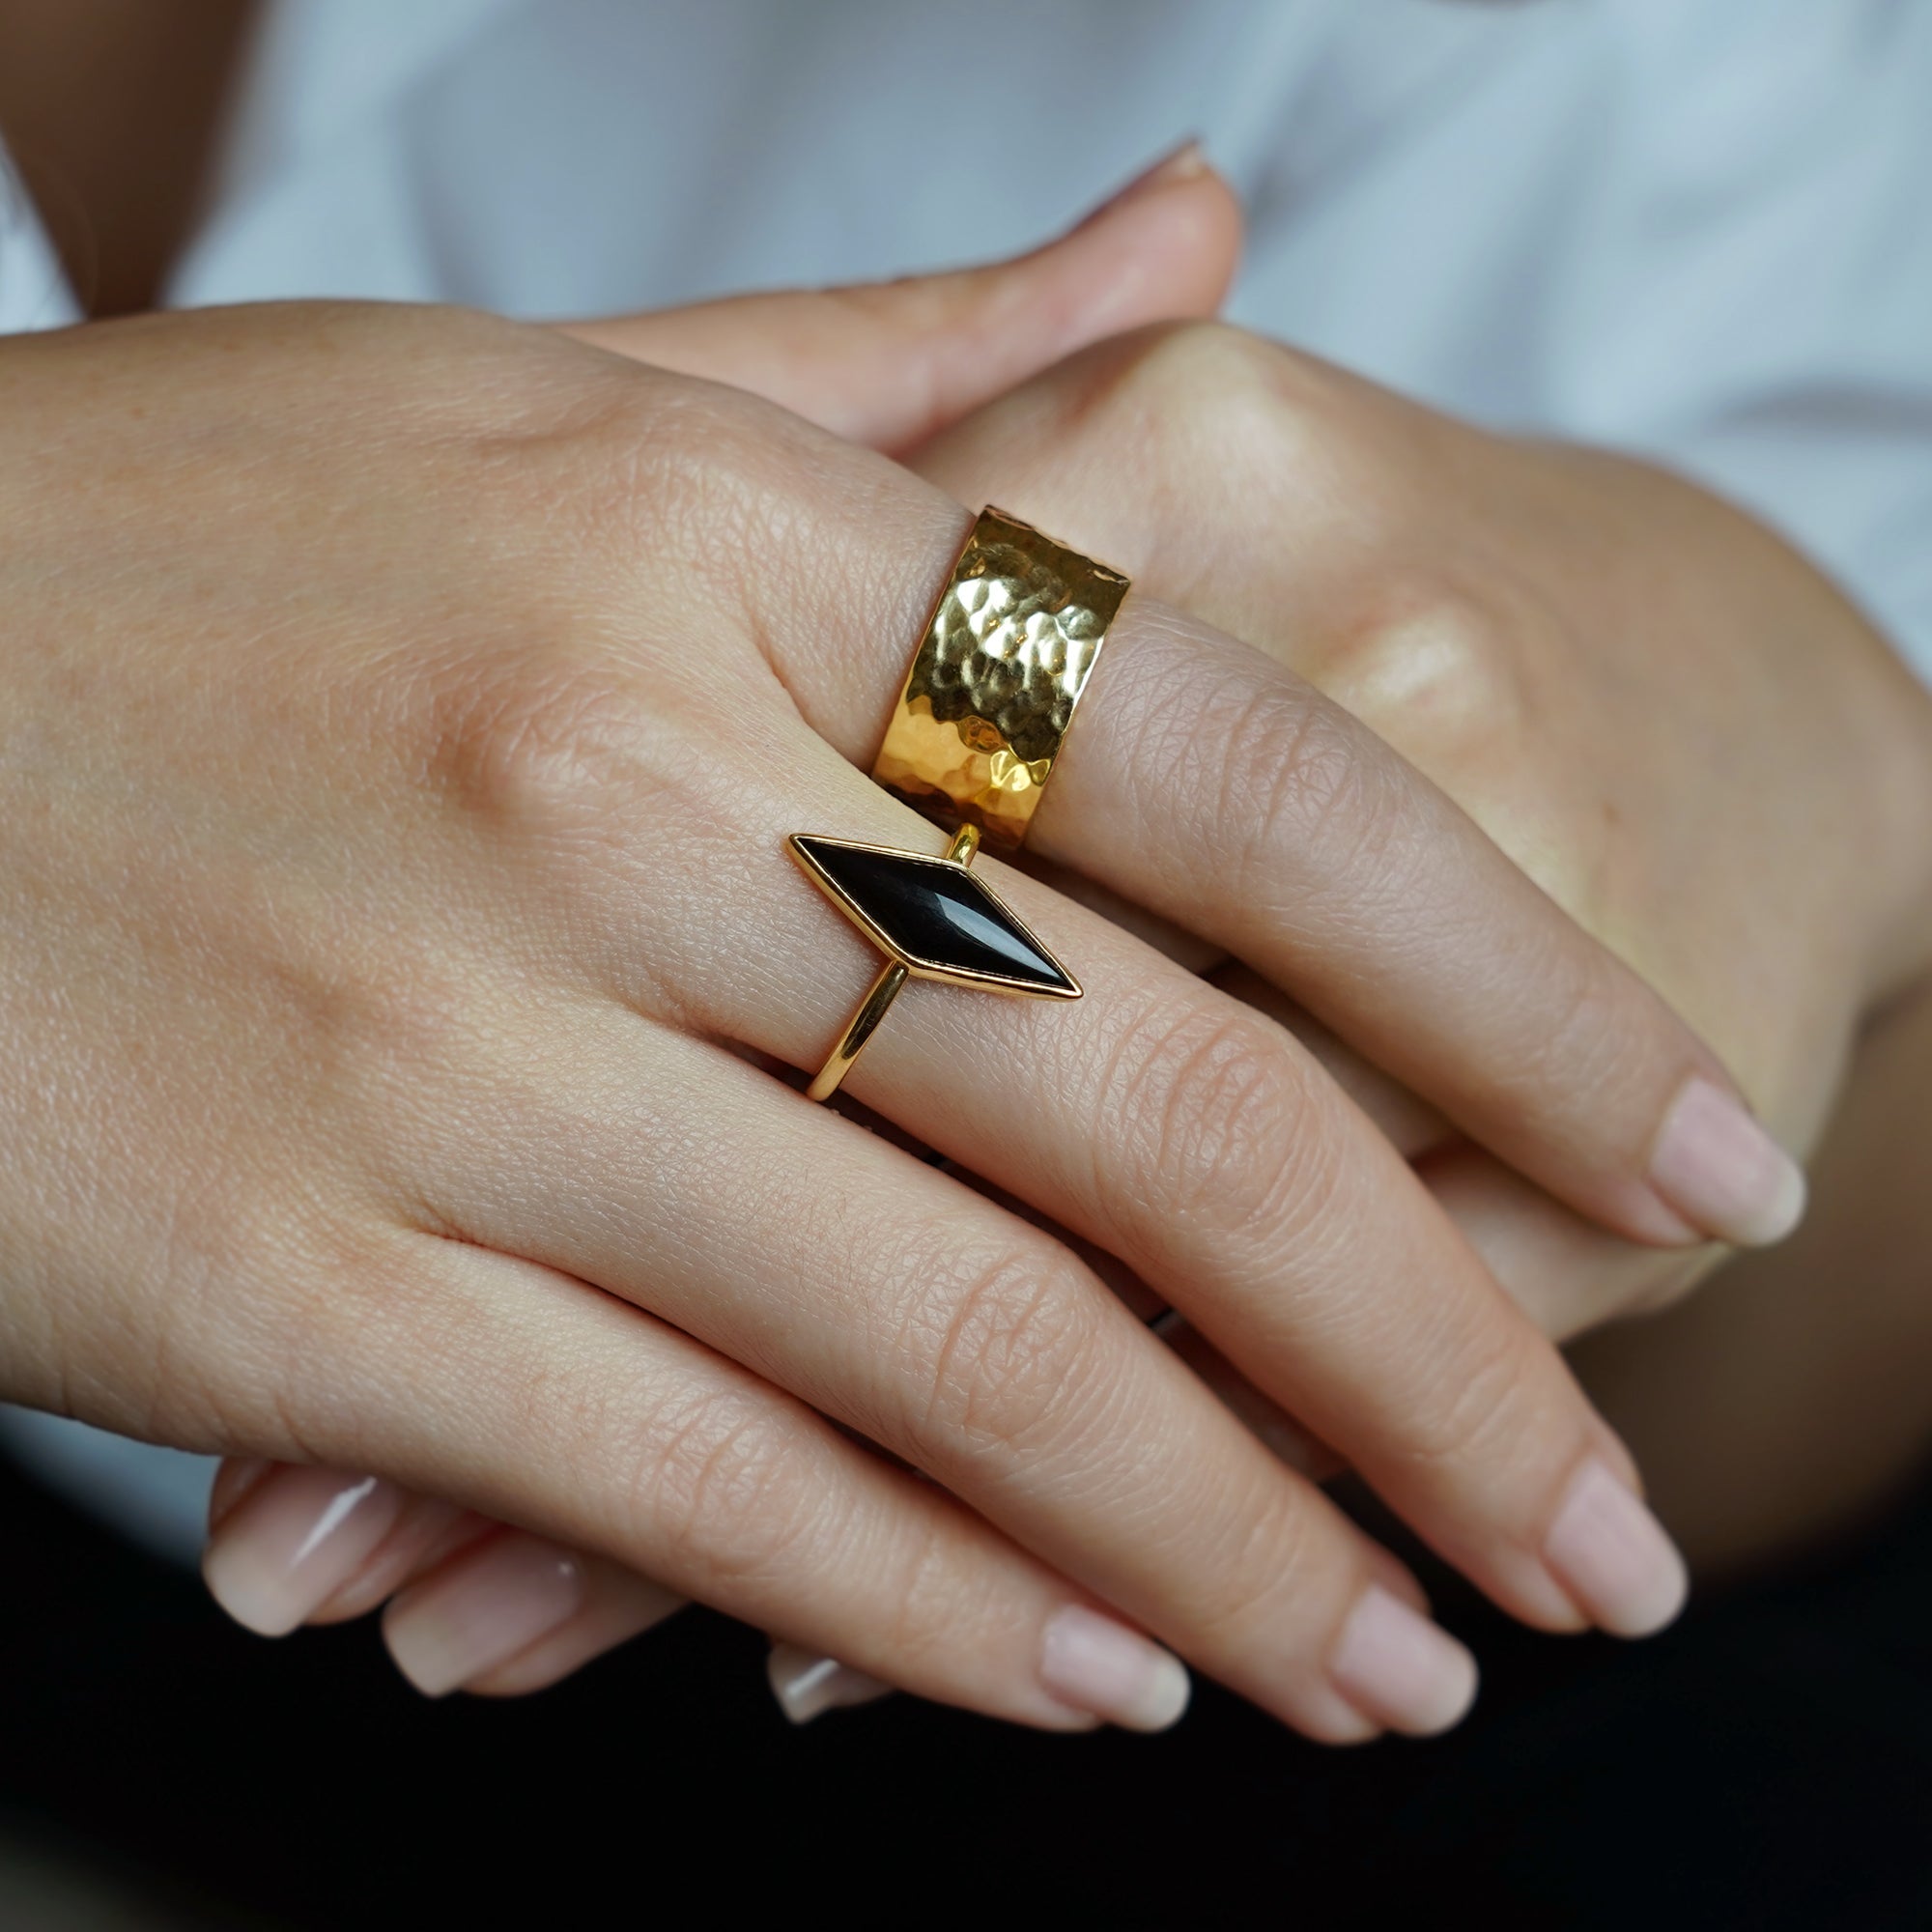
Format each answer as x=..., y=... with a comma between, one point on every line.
x=291, y=1543
x=1102, y=1667
x=1614, y=1557
x=1185, y=162
x=806, y=1684
x=482, y=1611
x=1401, y=1669
x=1720, y=1169
x=233, y=1480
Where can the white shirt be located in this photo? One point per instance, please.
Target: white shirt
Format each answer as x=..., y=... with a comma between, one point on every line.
x=1700, y=230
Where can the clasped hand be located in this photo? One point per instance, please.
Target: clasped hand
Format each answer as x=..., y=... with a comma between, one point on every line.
x=406, y=712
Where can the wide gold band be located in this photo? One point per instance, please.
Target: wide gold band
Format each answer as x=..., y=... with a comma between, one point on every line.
x=991, y=693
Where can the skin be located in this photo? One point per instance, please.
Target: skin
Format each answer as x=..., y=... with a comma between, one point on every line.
x=1613, y=672
x=405, y=713
x=119, y=191
x=1617, y=676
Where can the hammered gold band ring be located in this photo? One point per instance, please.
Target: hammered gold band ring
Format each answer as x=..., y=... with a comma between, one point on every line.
x=1008, y=651
x=991, y=693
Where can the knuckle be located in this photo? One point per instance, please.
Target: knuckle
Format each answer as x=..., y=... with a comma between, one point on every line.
x=1477, y=1408
x=1310, y=816
x=1183, y=363
x=924, y=1611
x=687, y=487
x=1006, y=1343
x=532, y=743
x=1594, y=1042
x=1204, y=382
x=1296, y=779
x=1268, y=416
x=710, y=1490
x=1214, y=1111
x=1271, y=1580
x=363, y=1026
x=1430, y=668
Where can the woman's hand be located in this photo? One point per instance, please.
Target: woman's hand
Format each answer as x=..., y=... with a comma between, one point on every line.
x=1662, y=714
x=1160, y=1133
x=404, y=712
x=1671, y=721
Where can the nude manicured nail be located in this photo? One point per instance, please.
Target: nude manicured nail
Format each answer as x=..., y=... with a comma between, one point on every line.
x=1720, y=1169
x=807, y=1685
x=1102, y=1667
x=481, y=1611
x=292, y=1542
x=1400, y=1668
x=1614, y=1557
x=1183, y=163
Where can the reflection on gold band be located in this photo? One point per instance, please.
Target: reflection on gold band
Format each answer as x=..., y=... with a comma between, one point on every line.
x=992, y=690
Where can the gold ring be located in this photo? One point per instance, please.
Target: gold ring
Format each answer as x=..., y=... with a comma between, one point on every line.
x=992, y=690
x=986, y=706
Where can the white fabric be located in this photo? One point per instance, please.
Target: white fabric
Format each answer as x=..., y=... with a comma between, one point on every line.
x=1698, y=229
x=32, y=294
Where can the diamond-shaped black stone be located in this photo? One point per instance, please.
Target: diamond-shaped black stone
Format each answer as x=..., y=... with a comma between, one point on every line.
x=934, y=916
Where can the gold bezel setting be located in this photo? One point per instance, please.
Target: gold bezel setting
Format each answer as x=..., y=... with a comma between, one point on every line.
x=886, y=924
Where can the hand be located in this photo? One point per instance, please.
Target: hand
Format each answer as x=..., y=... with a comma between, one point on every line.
x=1664, y=716
x=380, y=906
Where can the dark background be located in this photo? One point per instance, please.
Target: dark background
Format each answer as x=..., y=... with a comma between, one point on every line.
x=1768, y=1764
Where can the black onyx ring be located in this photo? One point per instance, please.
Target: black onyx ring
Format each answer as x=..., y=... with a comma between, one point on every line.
x=933, y=919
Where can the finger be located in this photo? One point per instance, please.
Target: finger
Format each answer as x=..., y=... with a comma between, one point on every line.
x=528, y=1398
x=960, y=1340
x=318, y=1547
x=291, y=1544
x=1155, y=1117
x=1217, y=789
x=511, y=1614
x=889, y=363
x=476, y=1607
x=1412, y=1126
x=1263, y=1417
x=1294, y=838
x=1258, y=1412
x=1565, y=1272
x=807, y=1685
x=1186, y=1135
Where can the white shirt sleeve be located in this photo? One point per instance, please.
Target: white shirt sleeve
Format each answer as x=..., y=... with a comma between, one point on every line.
x=33, y=291
x=1750, y=292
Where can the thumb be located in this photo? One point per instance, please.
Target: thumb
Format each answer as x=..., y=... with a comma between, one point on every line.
x=890, y=364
